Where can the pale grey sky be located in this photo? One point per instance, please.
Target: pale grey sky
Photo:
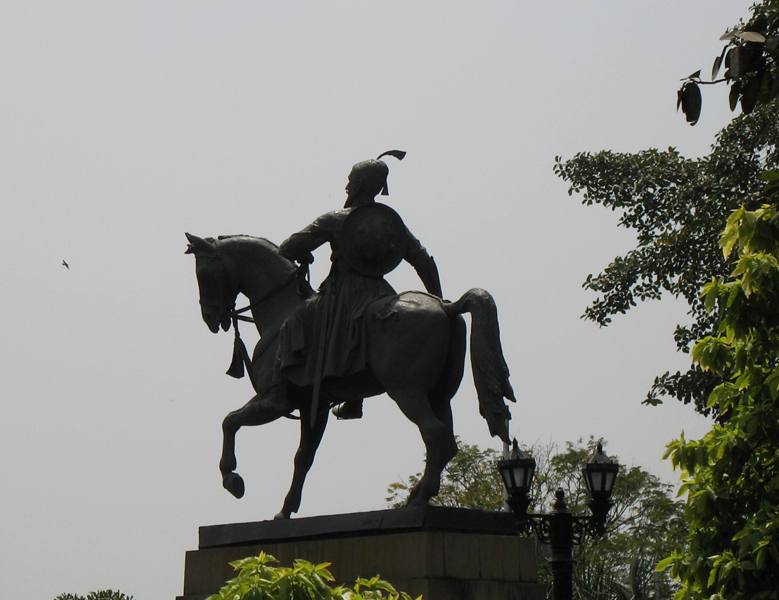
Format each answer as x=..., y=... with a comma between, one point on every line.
x=124, y=124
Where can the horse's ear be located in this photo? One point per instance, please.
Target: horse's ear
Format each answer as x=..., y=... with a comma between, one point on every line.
x=197, y=244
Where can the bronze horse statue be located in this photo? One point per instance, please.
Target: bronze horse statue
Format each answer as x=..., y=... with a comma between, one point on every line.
x=416, y=354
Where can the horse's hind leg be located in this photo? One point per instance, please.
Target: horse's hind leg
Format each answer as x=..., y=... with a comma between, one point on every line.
x=304, y=457
x=446, y=388
x=453, y=369
x=253, y=412
x=437, y=435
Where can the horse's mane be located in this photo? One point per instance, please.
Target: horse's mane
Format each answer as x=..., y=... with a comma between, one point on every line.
x=248, y=237
x=250, y=244
x=269, y=259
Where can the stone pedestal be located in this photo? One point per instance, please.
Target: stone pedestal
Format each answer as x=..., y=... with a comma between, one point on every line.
x=441, y=553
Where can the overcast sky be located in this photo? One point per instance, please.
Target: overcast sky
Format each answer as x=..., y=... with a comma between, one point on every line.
x=124, y=124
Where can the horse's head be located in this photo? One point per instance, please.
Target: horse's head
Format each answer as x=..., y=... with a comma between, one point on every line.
x=215, y=280
x=233, y=264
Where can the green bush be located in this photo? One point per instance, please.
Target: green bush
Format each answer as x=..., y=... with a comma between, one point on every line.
x=731, y=474
x=98, y=595
x=257, y=579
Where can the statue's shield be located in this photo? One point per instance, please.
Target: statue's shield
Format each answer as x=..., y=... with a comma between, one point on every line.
x=373, y=240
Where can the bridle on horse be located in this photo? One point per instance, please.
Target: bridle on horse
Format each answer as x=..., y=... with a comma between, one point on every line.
x=241, y=362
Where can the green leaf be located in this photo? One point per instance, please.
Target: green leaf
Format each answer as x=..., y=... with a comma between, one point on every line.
x=691, y=101
x=731, y=233
x=750, y=92
x=772, y=383
x=718, y=63
x=735, y=93
x=710, y=295
x=751, y=36
x=712, y=577
x=666, y=563
x=760, y=557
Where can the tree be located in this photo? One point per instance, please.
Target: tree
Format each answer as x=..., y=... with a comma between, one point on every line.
x=677, y=206
x=751, y=64
x=645, y=524
x=731, y=475
x=470, y=480
x=258, y=579
x=98, y=595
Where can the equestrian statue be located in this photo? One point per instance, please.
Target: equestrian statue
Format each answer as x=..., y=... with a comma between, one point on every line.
x=352, y=339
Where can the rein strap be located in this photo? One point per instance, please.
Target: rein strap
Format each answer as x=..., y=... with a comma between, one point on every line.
x=242, y=362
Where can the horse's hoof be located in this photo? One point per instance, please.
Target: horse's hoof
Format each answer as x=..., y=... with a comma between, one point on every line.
x=233, y=483
x=280, y=515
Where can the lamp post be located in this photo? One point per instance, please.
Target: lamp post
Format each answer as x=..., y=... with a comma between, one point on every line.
x=561, y=529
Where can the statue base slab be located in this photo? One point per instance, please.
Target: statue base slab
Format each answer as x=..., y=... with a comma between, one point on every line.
x=441, y=553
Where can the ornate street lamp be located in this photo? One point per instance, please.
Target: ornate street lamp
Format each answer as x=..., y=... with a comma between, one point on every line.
x=517, y=472
x=599, y=476
x=559, y=528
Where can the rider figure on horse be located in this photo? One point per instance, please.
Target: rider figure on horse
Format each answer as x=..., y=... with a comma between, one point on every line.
x=353, y=340
x=327, y=337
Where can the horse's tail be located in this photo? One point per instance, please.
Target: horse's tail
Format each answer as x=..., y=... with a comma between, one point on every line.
x=490, y=372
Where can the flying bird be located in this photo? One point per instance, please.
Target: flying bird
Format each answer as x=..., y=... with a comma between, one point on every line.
x=66, y=265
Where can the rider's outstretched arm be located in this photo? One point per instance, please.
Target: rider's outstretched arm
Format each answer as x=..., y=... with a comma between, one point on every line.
x=300, y=245
x=427, y=270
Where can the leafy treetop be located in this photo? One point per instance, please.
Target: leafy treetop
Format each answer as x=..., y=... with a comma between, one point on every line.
x=677, y=207
x=751, y=64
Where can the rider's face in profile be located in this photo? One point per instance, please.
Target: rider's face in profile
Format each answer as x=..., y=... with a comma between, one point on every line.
x=351, y=185
x=355, y=190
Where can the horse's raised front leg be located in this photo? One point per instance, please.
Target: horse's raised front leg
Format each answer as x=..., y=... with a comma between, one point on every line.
x=304, y=457
x=440, y=444
x=254, y=412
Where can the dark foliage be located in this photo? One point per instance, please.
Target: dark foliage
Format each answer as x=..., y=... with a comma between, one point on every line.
x=751, y=64
x=677, y=208
x=98, y=595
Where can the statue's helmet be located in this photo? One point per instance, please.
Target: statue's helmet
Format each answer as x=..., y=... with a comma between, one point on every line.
x=370, y=176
